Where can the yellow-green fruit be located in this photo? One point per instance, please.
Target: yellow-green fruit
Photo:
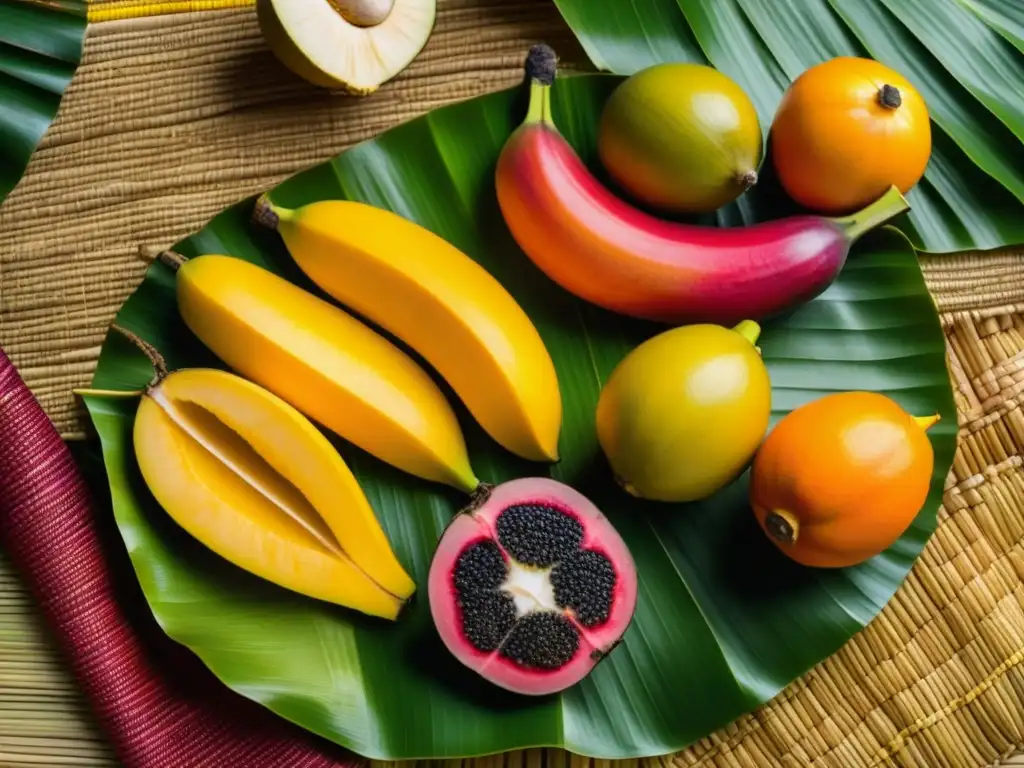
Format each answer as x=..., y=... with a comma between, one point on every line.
x=681, y=137
x=682, y=414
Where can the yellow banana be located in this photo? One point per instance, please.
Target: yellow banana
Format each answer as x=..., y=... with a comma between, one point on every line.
x=252, y=479
x=440, y=302
x=325, y=363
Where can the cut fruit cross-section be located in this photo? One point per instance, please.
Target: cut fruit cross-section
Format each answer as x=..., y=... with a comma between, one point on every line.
x=531, y=586
x=253, y=480
x=355, y=45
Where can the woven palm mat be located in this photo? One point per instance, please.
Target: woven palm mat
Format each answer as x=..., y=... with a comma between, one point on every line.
x=172, y=118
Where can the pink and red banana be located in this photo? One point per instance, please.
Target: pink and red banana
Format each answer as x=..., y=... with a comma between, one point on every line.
x=611, y=254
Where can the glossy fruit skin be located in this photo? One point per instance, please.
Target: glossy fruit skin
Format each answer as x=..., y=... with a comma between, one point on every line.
x=601, y=249
x=478, y=522
x=683, y=413
x=324, y=362
x=187, y=436
x=444, y=305
x=852, y=468
x=681, y=137
x=836, y=147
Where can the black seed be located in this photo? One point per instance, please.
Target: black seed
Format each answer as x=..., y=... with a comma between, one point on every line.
x=542, y=641
x=538, y=535
x=480, y=568
x=585, y=582
x=487, y=618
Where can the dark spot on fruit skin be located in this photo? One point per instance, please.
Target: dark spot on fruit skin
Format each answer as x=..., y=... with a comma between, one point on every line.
x=538, y=535
x=585, y=582
x=542, y=641
x=487, y=618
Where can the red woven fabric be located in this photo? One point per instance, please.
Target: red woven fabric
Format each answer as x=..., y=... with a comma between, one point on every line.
x=158, y=704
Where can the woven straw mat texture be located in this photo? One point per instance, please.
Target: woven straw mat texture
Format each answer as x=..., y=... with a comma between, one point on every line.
x=154, y=138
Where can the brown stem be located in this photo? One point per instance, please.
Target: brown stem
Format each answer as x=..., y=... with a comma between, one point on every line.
x=263, y=213
x=172, y=259
x=541, y=64
x=478, y=498
x=748, y=179
x=151, y=353
x=889, y=96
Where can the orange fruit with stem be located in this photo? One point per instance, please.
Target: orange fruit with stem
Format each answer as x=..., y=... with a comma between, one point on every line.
x=846, y=130
x=840, y=479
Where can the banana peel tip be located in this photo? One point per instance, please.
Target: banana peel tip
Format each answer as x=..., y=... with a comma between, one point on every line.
x=265, y=213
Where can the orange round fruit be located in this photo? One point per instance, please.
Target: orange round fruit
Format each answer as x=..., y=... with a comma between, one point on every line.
x=841, y=478
x=847, y=129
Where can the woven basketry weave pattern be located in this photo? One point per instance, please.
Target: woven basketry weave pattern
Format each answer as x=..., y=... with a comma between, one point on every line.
x=150, y=143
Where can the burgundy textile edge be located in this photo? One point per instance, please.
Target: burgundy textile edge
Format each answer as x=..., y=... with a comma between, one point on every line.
x=158, y=704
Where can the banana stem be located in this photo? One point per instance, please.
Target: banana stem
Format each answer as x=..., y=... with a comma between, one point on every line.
x=172, y=259
x=151, y=352
x=886, y=207
x=539, y=110
x=265, y=214
x=541, y=67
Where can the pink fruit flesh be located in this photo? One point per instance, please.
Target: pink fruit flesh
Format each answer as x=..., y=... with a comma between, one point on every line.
x=532, y=586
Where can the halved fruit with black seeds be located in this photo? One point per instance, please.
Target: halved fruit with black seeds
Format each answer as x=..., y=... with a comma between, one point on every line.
x=531, y=586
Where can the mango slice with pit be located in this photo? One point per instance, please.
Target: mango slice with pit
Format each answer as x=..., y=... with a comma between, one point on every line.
x=253, y=479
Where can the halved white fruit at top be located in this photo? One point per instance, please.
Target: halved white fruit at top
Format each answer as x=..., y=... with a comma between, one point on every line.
x=352, y=44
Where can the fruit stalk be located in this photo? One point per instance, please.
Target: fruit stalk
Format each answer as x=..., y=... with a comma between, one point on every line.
x=160, y=371
x=890, y=204
x=749, y=330
x=156, y=360
x=616, y=256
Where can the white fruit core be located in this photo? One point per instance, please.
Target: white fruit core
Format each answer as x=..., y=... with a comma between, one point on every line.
x=359, y=56
x=530, y=588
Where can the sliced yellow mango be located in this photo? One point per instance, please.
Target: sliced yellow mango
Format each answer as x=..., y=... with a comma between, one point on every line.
x=251, y=478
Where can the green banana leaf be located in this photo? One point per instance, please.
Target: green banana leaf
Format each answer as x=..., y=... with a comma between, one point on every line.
x=723, y=620
x=40, y=47
x=965, y=56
